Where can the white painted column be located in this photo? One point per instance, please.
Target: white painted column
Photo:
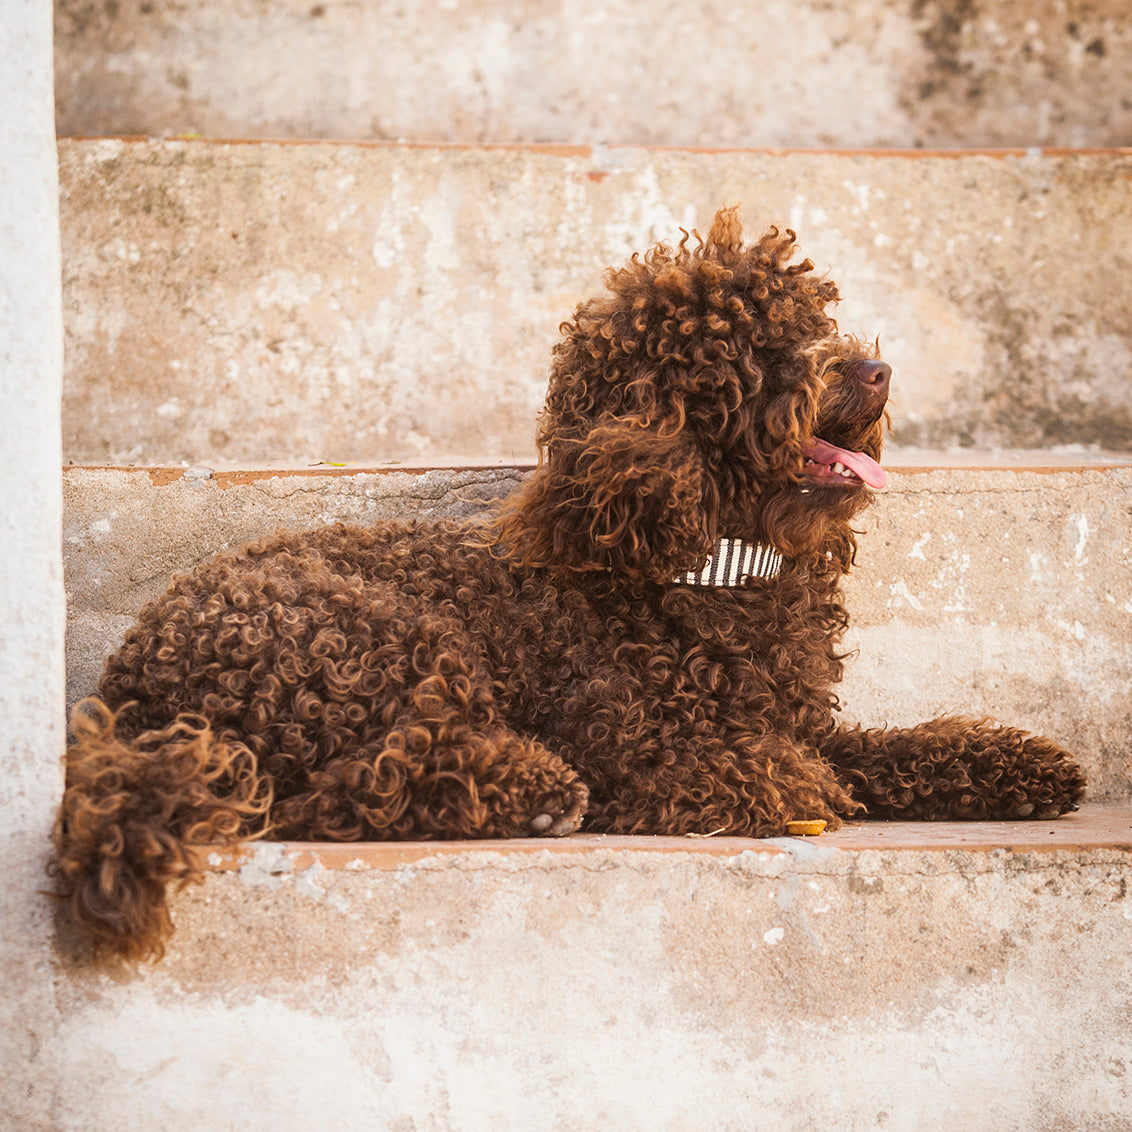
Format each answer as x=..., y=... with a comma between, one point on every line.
x=31, y=570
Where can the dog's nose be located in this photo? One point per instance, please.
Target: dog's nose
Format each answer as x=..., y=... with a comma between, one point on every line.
x=875, y=374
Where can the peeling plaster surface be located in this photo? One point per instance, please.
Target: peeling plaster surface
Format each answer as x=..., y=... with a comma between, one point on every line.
x=640, y=990
x=877, y=73
x=373, y=303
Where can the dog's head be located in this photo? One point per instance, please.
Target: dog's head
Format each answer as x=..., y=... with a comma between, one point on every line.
x=707, y=394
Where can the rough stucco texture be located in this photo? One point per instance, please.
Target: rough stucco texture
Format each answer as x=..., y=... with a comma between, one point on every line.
x=31, y=568
x=1006, y=594
x=999, y=592
x=783, y=985
x=338, y=302
x=351, y=302
x=814, y=73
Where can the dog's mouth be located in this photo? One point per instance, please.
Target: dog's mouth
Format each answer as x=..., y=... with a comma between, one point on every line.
x=826, y=465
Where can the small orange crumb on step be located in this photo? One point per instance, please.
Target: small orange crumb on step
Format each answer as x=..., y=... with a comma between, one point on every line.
x=805, y=828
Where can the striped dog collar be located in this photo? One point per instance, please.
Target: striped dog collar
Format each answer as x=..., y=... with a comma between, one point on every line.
x=732, y=562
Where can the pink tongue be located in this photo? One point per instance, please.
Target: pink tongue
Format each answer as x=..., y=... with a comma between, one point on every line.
x=865, y=467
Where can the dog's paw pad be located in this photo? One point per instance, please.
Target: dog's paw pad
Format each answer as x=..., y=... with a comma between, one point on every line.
x=560, y=815
x=1045, y=810
x=564, y=825
x=551, y=826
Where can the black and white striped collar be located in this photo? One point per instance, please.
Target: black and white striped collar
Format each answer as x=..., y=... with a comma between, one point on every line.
x=732, y=562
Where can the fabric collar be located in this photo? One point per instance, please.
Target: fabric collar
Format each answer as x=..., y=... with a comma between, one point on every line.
x=733, y=562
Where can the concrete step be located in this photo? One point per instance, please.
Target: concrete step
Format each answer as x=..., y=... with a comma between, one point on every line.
x=886, y=976
x=1002, y=590
x=300, y=302
x=673, y=72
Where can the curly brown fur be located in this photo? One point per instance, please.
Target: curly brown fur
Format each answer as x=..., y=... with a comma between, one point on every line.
x=677, y=409
x=132, y=813
x=510, y=676
x=956, y=768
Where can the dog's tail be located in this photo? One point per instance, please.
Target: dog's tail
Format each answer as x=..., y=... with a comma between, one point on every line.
x=132, y=813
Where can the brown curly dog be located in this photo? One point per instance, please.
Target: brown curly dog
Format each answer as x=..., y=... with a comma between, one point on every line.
x=645, y=637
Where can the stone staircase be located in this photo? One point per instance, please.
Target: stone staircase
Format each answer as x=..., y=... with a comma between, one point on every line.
x=282, y=332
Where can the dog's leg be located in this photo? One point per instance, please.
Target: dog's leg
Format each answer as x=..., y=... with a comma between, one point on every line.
x=955, y=768
x=369, y=708
x=399, y=737
x=432, y=776
x=137, y=810
x=741, y=785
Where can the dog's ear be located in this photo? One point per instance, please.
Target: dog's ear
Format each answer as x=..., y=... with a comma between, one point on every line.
x=630, y=497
